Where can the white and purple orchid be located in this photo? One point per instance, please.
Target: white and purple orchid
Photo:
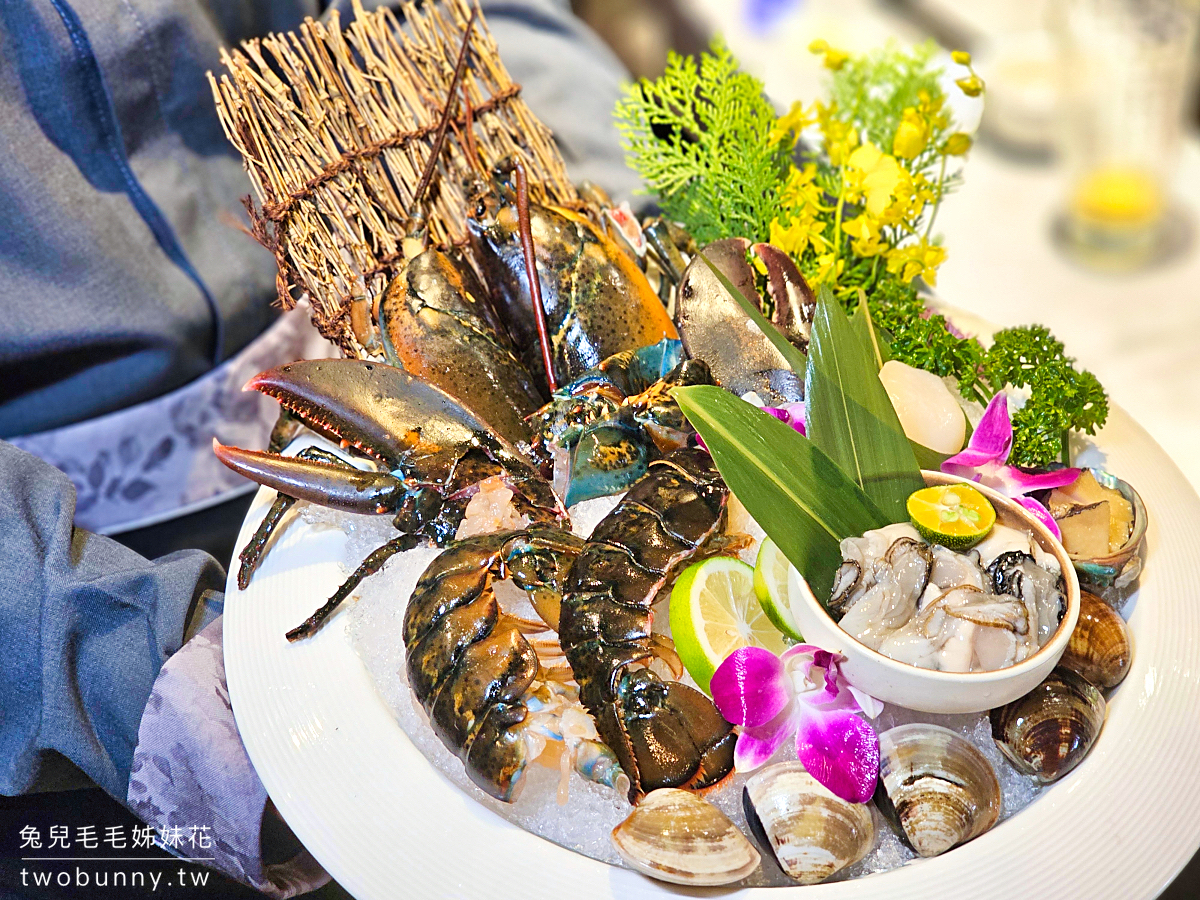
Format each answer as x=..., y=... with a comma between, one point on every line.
x=801, y=692
x=986, y=461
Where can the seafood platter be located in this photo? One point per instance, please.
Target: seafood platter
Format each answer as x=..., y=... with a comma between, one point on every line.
x=696, y=543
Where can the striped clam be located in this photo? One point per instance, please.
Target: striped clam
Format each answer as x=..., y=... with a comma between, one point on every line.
x=811, y=831
x=1100, y=649
x=674, y=835
x=936, y=787
x=1049, y=731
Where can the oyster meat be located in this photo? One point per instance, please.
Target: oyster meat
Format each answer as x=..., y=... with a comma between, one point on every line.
x=935, y=608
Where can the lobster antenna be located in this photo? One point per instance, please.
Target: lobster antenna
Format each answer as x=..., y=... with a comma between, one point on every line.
x=535, y=284
x=336, y=129
x=451, y=97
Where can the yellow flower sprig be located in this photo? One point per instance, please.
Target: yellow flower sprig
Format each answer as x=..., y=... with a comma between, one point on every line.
x=866, y=202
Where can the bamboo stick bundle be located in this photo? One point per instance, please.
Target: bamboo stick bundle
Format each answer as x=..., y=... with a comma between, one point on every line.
x=336, y=129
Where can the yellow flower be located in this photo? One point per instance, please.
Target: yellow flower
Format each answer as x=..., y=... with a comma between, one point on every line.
x=801, y=225
x=908, y=204
x=874, y=175
x=957, y=144
x=834, y=58
x=912, y=135
x=793, y=238
x=800, y=189
x=921, y=259
x=840, y=137
x=865, y=233
x=829, y=269
x=962, y=57
x=972, y=85
x=792, y=123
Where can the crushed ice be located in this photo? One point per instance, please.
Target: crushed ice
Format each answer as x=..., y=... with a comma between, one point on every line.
x=583, y=824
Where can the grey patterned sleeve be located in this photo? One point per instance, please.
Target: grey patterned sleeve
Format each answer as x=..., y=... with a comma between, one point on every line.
x=191, y=776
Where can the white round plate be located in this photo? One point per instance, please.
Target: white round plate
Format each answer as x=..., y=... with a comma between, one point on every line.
x=386, y=824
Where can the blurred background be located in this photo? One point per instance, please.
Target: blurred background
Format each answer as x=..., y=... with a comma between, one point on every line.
x=1082, y=193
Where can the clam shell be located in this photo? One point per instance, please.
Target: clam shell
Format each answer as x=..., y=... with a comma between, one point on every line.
x=1100, y=649
x=1049, y=731
x=936, y=786
x=675, y=836
x=812, y=832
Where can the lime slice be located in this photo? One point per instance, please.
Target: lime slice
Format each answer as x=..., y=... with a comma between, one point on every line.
x=771, y=588
x=954, y=515
x=713, y=612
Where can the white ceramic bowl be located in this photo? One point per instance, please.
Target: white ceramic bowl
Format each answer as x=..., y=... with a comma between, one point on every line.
x=944, y=692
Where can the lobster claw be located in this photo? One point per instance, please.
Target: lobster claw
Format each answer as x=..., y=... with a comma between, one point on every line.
x=430, y=445
x=612, y=455
x=347, y=489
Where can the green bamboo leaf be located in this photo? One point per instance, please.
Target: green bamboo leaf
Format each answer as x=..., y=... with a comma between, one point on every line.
x=795, y=358
x=864, y=325
x=794, y=491
x=849, y=415
x=927, y=458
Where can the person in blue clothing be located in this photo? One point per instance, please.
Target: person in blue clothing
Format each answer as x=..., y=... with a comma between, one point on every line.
x=127, y=296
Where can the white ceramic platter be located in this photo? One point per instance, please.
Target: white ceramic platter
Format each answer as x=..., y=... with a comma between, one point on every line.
x=386, y=824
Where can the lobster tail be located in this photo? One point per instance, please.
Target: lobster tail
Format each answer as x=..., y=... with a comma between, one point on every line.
x=468, y=664
x=664, y=734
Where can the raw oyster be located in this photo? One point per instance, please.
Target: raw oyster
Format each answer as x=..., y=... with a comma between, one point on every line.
x=932, y=607
x=812, y=832
x=1100, y=648
x=936, y=786
x=1049, y=731
x=1005, y=539
x=897, y=583
x=1017, y=573
x=674, y=835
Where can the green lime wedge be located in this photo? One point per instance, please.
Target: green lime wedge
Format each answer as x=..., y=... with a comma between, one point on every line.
x=771, y=588
x=714, y=611
x=954, y=515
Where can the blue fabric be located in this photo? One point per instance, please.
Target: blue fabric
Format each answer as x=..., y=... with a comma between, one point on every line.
x=98, y=114
x=85, y=625
x=120, y=265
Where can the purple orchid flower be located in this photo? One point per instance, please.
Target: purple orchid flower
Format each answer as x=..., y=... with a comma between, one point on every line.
x=791, y=414
x=801, y=692
x=986, y=461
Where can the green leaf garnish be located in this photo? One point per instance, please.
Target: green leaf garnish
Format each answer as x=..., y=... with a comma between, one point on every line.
x=699, y=137
x=849, y=415
x=864, y=327
x=793, y=490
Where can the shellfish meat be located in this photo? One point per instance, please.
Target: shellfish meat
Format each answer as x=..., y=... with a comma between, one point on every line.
x=675, y=836
x=812, y=832
x=1049, y=731
x=936, y=786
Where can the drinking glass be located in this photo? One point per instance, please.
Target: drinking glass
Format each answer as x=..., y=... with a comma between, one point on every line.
x=1126, y=70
